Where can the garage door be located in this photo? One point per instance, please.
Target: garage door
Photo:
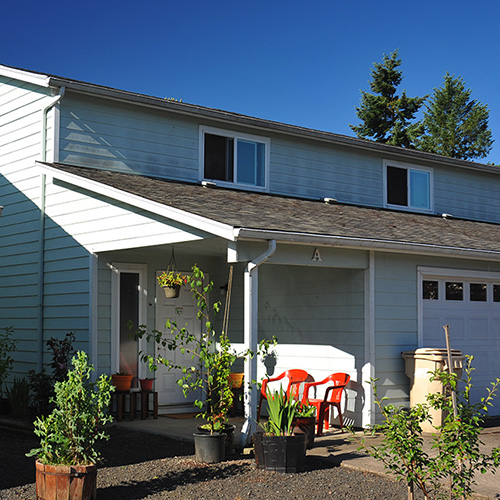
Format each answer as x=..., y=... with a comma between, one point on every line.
x=472, y=309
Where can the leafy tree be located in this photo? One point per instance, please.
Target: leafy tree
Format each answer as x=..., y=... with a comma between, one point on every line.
x=454, y=124
x=385, y=115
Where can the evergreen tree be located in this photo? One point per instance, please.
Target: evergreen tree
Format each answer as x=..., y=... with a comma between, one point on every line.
x=454, y=124
x=386, y=116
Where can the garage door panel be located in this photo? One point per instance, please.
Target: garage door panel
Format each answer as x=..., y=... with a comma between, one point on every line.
x=478, y=327
x=474, y=329
x=433, y=328
x=457, y=326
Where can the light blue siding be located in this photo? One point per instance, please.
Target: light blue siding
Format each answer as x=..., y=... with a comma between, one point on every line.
x=127, y=139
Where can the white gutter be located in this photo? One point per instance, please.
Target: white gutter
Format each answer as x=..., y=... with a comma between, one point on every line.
x=45, y=111
x=251, y=308
x=367, y=244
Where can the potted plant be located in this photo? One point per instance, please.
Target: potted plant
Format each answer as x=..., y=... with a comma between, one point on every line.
x=212, y=357
x=7, y=345
x=277, y=448
x=171, y=282
x=304, y=422
x=122, y=381
x=69, y=434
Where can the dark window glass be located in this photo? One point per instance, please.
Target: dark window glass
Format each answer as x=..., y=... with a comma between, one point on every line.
x=496, y=293
x=431, y=290
x=478, y=292
x=397, y=186
x=219, y=157
x=454, y=291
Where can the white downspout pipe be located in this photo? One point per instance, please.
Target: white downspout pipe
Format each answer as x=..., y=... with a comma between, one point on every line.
x=250, y=311
x=41, y=230
x=45, y=111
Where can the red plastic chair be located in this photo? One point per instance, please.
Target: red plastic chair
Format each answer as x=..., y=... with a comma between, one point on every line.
x=295, y=378
x=333, y=396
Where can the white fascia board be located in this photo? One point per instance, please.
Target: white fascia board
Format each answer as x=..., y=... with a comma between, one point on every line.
x=25, y=76
x=367, y=244
x=202, y=223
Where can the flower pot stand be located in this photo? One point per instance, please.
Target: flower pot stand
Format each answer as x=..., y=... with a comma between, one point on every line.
x=147, y=398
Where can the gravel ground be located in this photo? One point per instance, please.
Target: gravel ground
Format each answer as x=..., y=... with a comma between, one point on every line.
x=144, y=466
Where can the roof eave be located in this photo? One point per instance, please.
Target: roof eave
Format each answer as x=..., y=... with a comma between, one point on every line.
x=353, y=243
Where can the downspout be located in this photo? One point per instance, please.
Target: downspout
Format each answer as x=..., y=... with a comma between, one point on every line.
x=41, y=229
x=41, y=261
x=250, y=308
x=45, y=111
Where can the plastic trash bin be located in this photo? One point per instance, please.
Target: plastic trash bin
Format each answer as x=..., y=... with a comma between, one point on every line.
x=419, y=365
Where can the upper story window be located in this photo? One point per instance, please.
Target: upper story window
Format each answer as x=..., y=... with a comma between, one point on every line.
x=408, y=187
x=233, y=158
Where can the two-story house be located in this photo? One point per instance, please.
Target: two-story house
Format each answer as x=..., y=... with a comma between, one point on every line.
x=347, y=250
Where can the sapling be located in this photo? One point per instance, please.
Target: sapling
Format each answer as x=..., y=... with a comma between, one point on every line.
x=448, y=471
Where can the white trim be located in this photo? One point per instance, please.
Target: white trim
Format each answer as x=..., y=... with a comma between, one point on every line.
x=25, y=76
x=368, y=370
x=202, y=223
x=234, y=135
x=93, y=309
x=466, y=274
x=408, y=167
x=116, y=269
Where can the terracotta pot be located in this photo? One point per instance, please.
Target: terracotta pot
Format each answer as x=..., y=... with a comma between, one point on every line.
x=66, y=482
x=236, y=379
x=172, y=292
x=146, y=384
x=122, y=382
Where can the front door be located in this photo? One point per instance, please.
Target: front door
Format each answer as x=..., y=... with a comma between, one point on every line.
x=183, y=311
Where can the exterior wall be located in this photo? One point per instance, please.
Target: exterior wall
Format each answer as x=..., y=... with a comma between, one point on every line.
x=396, y=315
x=133, y=139
x=130, y=139
x=21, y=107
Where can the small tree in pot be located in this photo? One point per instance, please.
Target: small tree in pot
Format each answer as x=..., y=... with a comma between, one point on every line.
x=66, y=459
x=212, y=357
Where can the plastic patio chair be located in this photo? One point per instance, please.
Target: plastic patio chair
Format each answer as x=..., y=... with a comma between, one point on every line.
x=295, y=378
x=333, y=397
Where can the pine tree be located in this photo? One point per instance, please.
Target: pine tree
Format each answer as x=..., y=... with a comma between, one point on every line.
x=386, y=116
x=454, y=124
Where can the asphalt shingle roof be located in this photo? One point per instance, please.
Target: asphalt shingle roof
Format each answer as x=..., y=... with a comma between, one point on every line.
x=242, y=209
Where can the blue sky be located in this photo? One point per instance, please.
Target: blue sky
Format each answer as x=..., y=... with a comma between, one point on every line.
x=296, y=62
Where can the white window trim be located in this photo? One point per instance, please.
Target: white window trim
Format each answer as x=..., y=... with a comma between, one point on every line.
x=234, y=135
x=116, y=270
x=408, y=166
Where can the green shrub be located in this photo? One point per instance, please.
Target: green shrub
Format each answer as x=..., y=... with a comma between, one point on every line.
x=68, y=436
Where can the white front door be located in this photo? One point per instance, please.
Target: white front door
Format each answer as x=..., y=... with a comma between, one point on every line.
x=471, y=307
x=183, y=311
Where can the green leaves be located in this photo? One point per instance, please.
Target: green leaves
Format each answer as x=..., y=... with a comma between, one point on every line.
x=456, y=445
x=454, y=124
x=385, y=116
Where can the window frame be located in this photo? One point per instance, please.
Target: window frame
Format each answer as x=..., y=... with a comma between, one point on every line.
x=409, y=167
x=235, y=136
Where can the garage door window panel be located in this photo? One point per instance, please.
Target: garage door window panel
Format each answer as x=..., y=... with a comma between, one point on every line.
x=454, y=290
x=478, y=292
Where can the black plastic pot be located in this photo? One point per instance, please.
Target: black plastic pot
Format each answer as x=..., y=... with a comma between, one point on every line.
x=280, y=453
x=228, y=432
x=209, y=448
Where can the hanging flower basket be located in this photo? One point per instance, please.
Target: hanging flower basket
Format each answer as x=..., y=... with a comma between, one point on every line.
x=171, y=283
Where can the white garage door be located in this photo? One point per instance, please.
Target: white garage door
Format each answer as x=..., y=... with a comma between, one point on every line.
x=472, y=309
